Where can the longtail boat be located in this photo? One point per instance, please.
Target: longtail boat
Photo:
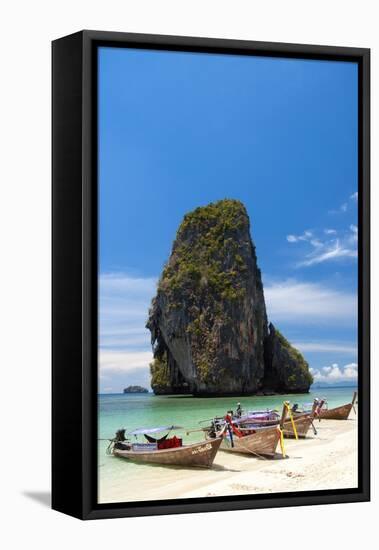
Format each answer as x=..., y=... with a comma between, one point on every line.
x=269, y=417
x=247, y=438
x=297, y=423
x=165, y=450
x=338, y=413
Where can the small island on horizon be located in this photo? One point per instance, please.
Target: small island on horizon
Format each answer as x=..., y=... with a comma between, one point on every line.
x=135, y=389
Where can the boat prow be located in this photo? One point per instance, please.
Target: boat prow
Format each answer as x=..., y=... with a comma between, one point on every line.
x=295, y=424
x=338, y=413
x=262, y=441
x=302, y=424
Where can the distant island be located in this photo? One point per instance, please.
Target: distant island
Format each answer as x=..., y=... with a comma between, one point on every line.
x=135, y=389
x=208, y=321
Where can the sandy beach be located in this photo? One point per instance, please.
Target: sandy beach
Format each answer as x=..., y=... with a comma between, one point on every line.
x=327, y=460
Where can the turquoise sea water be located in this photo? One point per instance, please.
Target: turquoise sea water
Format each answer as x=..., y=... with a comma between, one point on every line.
x=148, y=410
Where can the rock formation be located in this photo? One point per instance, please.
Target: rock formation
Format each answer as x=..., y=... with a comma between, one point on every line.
x=208, y=320
x=285, y=367
x=135, y=389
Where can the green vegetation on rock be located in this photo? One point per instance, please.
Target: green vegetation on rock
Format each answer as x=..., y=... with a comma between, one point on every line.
x=301, y=372
x=204, y=240
x=286, y=368
x=160, y=377
x=302, y=365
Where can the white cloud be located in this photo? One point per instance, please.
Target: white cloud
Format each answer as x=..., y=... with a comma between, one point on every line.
x=124, y=303
x=326, y=347
x=354, y=234
x=334, y=373
x=292, y=238
x=124, y=342
x=123, y=362
x=330, y=251
x=345, y=205
x=316, y=243
x=294, y=301
x=329, y=248
x=306, y=236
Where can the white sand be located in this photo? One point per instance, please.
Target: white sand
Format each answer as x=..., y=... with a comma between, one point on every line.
x=328, y=460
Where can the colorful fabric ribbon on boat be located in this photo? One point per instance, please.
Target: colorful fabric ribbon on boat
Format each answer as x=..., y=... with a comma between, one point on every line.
x=287, y=405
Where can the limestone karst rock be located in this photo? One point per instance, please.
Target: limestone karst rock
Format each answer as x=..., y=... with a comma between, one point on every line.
x=208, y=321
x=285, y=368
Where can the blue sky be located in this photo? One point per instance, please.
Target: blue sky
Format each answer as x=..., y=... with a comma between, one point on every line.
x=179, y=130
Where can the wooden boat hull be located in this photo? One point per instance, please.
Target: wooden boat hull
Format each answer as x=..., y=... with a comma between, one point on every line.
x=199, y=455
x=263, y=442
x=338, y=413
x=302, y=423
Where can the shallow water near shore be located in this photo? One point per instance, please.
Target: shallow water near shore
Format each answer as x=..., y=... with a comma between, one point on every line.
x=123, y=480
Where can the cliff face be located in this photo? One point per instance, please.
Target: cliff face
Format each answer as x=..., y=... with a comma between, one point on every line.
x=285, y=367
x=165, y=379
x=208, y=320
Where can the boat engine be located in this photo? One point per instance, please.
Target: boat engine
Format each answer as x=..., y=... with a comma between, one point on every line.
x=120, y=435
x=118, y=442
x=212, y=431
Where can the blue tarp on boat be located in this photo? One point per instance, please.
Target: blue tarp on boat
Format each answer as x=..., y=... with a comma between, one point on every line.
x=144, y=447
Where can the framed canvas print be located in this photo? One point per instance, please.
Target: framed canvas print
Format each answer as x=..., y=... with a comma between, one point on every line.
x=210, y=274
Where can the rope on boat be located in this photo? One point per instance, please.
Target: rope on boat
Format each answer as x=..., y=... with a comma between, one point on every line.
x=252, y=452
x=240, y=444
x=263, y=456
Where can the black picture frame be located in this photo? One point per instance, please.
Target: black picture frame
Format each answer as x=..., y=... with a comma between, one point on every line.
x=74, y=273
